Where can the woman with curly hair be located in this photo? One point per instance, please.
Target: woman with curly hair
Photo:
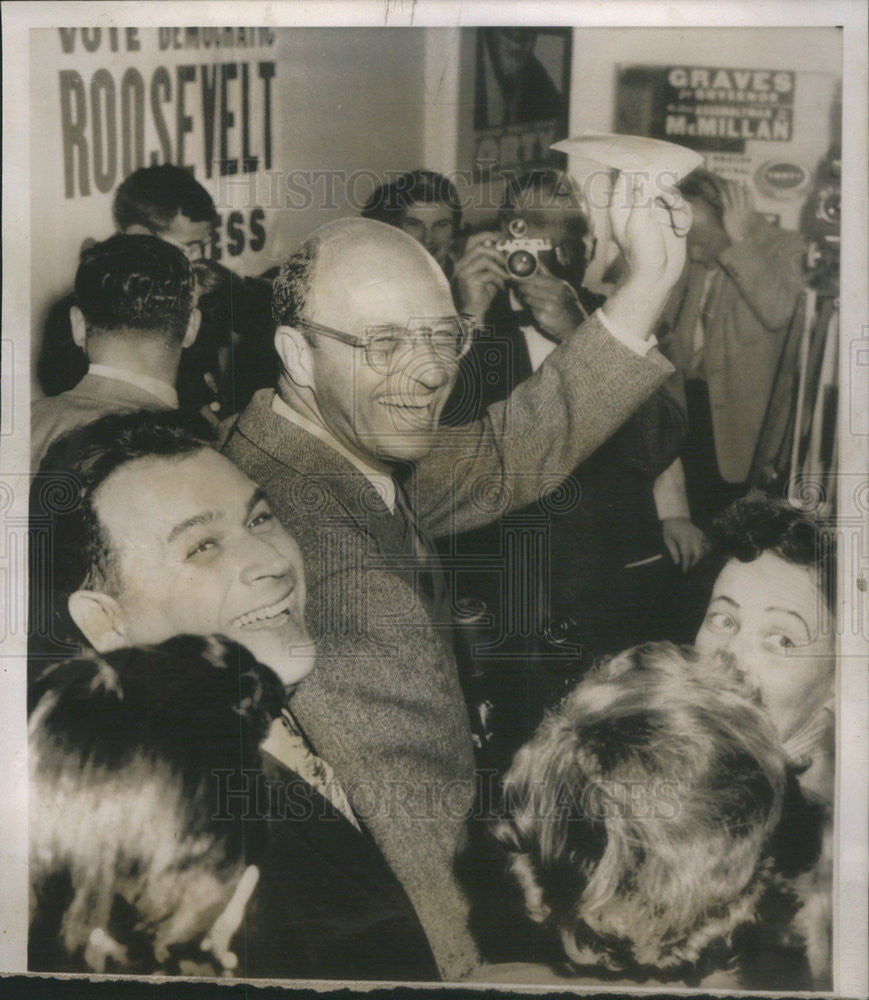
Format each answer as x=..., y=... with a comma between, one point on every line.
x=643, y=822
x=771, y=609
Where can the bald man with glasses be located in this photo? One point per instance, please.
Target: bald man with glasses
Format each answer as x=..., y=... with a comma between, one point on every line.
x=350, y=450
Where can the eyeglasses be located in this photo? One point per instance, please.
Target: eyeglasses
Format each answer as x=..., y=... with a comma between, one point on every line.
x=450, y=340
x=194, y=250
x=197, y=250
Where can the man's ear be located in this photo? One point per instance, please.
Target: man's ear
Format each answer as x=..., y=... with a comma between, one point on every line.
x=99, y=619
x=297, y=358
x=79, y=327
x=192, y=328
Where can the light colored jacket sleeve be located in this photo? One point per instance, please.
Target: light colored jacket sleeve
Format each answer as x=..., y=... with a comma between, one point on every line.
x=767, y=268
x=524, y=447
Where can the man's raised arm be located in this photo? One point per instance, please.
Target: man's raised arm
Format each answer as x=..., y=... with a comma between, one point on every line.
x=580, y=395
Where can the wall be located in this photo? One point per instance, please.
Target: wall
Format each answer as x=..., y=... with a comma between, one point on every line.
x=346, y=106
x=814, y=53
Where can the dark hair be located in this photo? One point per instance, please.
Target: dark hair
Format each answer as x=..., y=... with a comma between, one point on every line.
x=137, y=283
x=760, y=523
x=153, y=196
x=389, y=202
x=636, y=882
x=291, y=287
x=126, y=756
x=706, y=186
x=69, y=549
x=518, y=186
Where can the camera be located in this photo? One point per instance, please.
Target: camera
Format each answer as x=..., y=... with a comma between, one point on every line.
x=522, y=254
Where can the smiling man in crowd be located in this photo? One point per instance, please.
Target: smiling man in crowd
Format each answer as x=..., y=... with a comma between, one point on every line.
x=350, y=452
x=163, y=536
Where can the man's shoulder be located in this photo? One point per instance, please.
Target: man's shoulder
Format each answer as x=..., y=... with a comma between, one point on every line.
x=264, y=438
x=90, y=395
x=766, y=234
x=311, y=487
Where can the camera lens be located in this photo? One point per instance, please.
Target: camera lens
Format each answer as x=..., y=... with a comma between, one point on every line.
x=521, y=264
x=518, y=227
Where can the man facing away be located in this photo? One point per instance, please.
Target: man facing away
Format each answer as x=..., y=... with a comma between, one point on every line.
x=132, y=317
x=166, y=201
x=351, y=454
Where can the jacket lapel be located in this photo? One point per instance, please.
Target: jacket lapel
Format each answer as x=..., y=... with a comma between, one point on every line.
x=287, y=452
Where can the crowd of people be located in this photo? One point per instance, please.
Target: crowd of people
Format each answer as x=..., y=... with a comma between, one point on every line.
x=364, y=631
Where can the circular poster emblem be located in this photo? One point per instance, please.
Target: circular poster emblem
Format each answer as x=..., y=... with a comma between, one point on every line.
x=781, y=178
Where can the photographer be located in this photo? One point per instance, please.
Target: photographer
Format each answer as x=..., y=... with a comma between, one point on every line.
x=608, y=572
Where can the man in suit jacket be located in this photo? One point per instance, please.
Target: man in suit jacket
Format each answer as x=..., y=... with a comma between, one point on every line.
x=168, y=537
x=133, y=316
x=725, y=328
x=350, y=453
x=166, y=201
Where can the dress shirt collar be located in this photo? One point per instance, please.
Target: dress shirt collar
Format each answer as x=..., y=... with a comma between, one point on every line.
x=383, y=483
x=157, y=387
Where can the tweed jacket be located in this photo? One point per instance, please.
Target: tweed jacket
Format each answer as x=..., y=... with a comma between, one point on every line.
x=93, y=397
x=746, y=319
x=384, y=704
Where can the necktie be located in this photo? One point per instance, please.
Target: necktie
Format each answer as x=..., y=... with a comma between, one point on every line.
x=429, y=575
x=287, y=743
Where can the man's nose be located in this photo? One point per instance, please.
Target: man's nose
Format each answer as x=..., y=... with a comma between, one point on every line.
x=420, y=362
x=262, y=560
x=429, y=368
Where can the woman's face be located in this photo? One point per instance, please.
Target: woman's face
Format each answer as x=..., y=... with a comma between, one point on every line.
x=771, y=616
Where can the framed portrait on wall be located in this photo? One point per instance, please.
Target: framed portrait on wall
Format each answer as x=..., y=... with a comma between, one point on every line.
x=521, y=87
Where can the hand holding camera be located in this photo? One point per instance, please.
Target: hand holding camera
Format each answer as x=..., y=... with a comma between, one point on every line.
x=553, y=303
x=479, y=275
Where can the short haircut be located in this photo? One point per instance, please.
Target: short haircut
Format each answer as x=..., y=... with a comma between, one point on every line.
x=706, y=186
x=135, y=283
x=128, y=831
x=291, y=287
x=153, y=196
x=760, y=523
x=69, y=548
x=637, y=815
x=389, y=202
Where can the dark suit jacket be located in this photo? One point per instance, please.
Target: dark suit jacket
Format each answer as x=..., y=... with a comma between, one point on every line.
x=384, y=704
x=608, y=518
x=326, y=905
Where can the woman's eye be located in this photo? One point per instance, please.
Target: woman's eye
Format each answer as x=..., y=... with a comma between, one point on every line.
x=719, y=621
x=780, y=641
